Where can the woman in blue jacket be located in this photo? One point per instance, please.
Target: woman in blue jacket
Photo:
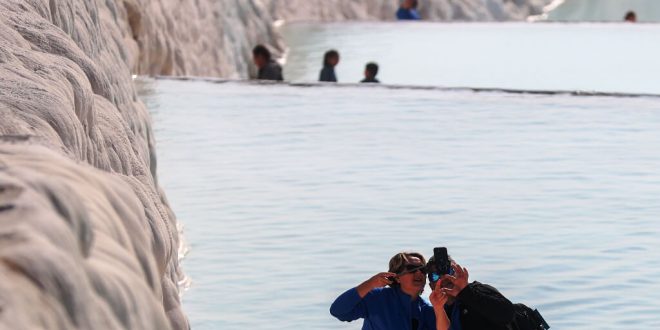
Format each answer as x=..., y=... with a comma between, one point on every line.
x=397, y=307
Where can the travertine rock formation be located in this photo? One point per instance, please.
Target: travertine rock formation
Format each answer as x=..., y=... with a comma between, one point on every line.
x=434, y=10
x=215, y=37
x=600, y=10
x=87, y=240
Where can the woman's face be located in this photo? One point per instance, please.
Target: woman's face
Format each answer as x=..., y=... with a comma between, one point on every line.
x=412, y=282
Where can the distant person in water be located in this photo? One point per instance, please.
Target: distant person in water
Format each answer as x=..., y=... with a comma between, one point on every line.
x=370, y=73
x=631, y=17
x=268, y=68
x=408, y=10
x=330, y=60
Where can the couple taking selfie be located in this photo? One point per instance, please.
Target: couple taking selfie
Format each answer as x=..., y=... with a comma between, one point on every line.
x=391, y=300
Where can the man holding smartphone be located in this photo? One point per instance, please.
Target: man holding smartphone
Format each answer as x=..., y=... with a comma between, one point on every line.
x=470, y=306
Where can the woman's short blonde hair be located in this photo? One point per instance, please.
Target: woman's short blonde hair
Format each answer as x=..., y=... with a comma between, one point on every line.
x=401, y=259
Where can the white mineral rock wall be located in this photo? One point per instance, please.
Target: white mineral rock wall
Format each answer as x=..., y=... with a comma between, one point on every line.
x=87, y=240
x=602, y=10
x=215, y=37
x=433, y=10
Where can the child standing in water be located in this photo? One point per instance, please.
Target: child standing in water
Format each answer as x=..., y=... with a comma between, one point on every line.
x=370, y=72
x=330, y=60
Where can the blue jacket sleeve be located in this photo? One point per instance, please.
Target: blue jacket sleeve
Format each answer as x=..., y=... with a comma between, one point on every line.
x=349, y=306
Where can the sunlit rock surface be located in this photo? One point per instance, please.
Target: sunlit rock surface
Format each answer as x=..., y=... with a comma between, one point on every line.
x=434, y=10
x=87, y=240
x=215, y=37
x=601, y=10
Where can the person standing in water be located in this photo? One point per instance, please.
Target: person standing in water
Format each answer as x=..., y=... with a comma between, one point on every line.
x=370, y=73
x=391, y=300
x=330, y=60
x=469, y=306
x=408, y=10
x=268, y=68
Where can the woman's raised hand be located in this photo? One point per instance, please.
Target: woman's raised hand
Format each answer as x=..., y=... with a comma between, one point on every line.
x=381, y=279
x=377, y=281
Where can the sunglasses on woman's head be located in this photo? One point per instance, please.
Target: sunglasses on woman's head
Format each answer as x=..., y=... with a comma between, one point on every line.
x=410, y=268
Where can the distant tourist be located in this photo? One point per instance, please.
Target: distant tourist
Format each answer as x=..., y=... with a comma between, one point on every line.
x=370, y=73
x=408, y=10
x=268, y=68
x=330, y=60
x=631, y=17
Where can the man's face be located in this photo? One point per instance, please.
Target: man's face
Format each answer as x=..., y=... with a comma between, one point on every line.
x=333, y=60
x=444, y=283
x=407, y=4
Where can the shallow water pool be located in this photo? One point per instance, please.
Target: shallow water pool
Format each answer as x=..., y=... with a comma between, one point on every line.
x=538, y=56
x=291, y=195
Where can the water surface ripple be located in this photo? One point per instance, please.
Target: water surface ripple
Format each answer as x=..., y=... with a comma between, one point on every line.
x=290, y=195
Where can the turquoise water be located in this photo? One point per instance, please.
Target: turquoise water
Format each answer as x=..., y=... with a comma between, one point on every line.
x=290, y=195
x=540, y=56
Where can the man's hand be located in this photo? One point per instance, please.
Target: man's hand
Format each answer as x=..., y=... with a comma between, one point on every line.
x=438, y=298
x=459, y=280
x=377, y=281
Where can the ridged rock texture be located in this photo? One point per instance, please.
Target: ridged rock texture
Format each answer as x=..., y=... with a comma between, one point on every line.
x=433, y=10
x=601, y=10
x=87, y=240
x=215, y=37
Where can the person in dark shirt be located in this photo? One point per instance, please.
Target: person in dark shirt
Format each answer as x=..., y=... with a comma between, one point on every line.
x=330, y=60
x=370, y=72
x=470, y=306
x=268, y=68
x=408, y=10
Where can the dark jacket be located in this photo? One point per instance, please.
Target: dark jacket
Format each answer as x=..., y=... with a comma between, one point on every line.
x=328, y=74
x=384, y=309
x=482, y=307
x=272, y=71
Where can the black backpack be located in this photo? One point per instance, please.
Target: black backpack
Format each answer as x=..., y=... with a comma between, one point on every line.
x=526, y=318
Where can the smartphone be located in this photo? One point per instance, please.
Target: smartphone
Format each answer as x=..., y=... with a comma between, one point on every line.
x=442, y=263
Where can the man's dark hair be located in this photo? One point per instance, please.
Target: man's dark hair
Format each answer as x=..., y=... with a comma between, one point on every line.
x=261, y=50
x=430, y=265
x=328, y=55
x=372, y=69
x=630, y=15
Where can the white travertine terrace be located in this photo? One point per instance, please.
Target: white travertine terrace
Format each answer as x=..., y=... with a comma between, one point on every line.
x=214, y=38
x=87, y=239
x=434, y=10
